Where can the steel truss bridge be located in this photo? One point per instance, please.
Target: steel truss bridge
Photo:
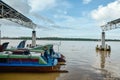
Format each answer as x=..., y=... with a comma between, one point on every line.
x=111, y=25
x=108, y=26
x=7, y=12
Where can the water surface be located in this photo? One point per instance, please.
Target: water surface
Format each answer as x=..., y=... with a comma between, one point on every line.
x=83, y=62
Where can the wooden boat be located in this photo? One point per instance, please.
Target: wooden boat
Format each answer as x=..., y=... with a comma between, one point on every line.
x=40, y=49
x=14, y=61
x=31, y=59
x=60, y=57
x=30, y=69
x=21, y=45
x=22, y=60
x=3, y=46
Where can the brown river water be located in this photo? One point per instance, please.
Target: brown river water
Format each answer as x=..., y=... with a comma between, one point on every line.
x=83, y=62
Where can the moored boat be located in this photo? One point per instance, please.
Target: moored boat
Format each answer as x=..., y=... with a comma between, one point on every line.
x=27, y=62
x=3, y=46
x=40, y=49
x=22, y=59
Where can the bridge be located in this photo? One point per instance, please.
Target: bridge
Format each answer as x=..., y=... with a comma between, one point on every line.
x=7, y=12
x=108, y=26
x=111, y=25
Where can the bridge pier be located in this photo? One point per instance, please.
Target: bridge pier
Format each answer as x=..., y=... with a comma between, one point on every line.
x=103, y=40
x=103, y=46
x=0, y=34
x=33, y=38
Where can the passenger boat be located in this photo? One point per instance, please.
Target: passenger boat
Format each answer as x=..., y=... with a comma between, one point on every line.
x=24, y=60
x=51, y=52
x=60, y=57
x=40, y=49
x=3, y=46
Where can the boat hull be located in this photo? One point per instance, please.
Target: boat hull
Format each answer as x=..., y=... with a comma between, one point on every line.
x=29, y=68
x=61, y=61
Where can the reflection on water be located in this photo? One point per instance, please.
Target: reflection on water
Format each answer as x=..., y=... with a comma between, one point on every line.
x=29, y=76
x=103, y=55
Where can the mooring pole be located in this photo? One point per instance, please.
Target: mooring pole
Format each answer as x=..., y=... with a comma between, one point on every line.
x=33, y=38
x=103, y=40
x=0, y=34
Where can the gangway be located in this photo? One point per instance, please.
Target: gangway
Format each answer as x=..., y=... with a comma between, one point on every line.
x=7, y=12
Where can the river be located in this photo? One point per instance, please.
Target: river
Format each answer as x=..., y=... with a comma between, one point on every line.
x=83, y=62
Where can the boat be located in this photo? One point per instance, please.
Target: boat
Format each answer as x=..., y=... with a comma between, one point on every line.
x=40, y=49
x=60, y=57
x=51, y=52
x=25, y=60
x=3, y=46
x=21, y=45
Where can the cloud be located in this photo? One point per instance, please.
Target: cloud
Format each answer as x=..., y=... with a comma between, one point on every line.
x=57, y=17
x=27, y=6
x=44, y=5
x=86, y=1
x=107, y=13
x=72, y=23
x=52, y=7
x=33, y=7
x=20, y=5
x=64, y=4
x=39, y=5
x=78, y=27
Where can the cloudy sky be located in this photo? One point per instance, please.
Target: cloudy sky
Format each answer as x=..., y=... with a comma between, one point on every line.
x=64, y=18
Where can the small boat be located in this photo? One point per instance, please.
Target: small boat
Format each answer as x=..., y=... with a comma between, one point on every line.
x=26, y=60
x=40, y=49
x=60, y=57
x=3, y=46
x=21, y=45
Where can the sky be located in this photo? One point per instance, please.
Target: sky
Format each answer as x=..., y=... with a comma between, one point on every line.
x=63, y=18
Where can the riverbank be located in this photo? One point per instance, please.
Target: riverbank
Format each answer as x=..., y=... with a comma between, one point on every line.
x=59, y=38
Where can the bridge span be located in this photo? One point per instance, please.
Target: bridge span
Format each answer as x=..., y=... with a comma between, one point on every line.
x=9, y=13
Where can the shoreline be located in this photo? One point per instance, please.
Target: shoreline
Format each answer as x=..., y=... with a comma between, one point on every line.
x=60, y=39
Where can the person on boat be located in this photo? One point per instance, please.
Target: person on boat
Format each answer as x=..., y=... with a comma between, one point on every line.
x=51, y=51
x=46, y=53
